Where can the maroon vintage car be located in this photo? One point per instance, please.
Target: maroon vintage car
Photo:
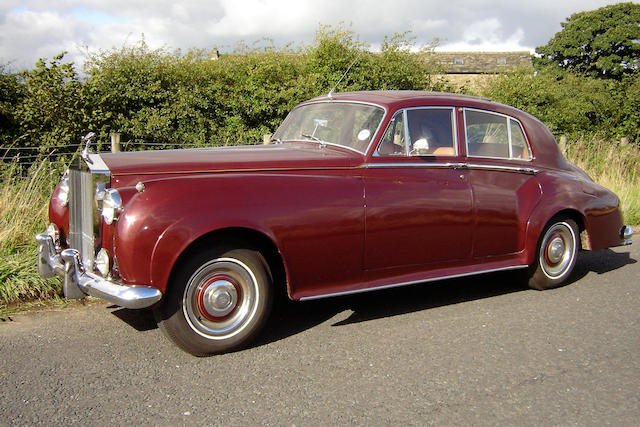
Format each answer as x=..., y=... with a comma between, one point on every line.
x=356, y=191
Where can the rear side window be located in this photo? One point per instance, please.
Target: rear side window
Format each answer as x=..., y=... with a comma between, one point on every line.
x=494, y=135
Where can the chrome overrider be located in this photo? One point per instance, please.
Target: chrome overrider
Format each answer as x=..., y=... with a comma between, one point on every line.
x=626, y=233
x=78, y=282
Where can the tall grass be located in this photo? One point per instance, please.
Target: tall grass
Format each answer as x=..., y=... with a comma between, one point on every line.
x=614, y=166
x=24, y=201
x=23, y=213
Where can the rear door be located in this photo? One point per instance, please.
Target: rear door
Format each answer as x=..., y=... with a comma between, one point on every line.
x=502, y=181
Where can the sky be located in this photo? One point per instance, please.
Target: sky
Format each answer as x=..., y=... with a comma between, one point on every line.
x=32, y=29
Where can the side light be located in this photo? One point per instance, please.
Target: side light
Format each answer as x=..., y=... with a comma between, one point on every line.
x=102, y=262
x=100, y=191
x=111, y=205
x=63, y=191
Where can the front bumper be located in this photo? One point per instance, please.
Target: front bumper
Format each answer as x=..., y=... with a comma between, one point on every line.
x=78, y=282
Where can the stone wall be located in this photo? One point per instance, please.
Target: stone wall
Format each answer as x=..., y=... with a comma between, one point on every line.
x=482, y=62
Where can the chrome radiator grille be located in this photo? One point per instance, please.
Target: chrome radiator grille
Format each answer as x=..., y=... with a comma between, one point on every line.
x=83, y=224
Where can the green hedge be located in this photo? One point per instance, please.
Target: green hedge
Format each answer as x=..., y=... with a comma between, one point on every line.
x=191, y=99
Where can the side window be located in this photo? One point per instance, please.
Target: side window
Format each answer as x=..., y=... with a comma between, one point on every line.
x=431, y=132
x=494, y=135
x=393, y=143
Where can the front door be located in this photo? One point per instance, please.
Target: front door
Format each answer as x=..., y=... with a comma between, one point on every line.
x=418, y=199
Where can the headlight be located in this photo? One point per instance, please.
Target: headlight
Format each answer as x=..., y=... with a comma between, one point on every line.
x=63, y=191
x=111, y=205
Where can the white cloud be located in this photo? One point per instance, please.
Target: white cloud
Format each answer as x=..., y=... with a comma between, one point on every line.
x=30, y=29
x=486, y=35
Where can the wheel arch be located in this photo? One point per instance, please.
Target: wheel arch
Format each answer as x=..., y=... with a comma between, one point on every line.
x=579, y=219
x=537, y=227
x=243, y=237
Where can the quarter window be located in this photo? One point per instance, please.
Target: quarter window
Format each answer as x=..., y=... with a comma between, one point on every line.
x=494, y=135
x=393, y=143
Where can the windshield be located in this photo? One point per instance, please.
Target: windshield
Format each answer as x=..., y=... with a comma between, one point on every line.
x=350, y=125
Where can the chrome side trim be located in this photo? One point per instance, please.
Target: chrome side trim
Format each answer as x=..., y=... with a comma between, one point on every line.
x=414, y=165
x=413, y=282
x=78, y=281
x=529, y=171
x=453, y=165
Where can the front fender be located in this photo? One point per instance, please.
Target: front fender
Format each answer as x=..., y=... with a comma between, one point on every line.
x=157, y=225
x=181, y=234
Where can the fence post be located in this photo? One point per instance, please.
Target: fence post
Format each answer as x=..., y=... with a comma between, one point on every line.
x=266, y=138
x=115, y=142
x=563, y=144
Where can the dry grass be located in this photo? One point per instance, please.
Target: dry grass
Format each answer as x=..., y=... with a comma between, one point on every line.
x=23, y=214
x=614, y=166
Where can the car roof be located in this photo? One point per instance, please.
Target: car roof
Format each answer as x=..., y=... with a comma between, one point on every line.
x=390, y=97
x=545, y=147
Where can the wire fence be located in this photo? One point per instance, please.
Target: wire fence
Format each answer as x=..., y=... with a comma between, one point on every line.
x=64, y=154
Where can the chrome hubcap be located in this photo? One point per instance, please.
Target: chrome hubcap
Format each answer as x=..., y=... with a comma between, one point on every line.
x=559, y=247
x=219, y=298
x=555, y=250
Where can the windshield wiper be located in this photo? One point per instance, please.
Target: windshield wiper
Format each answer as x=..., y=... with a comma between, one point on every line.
x=314, y=138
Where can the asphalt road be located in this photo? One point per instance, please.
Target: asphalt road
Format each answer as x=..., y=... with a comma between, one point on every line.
x=482, y=350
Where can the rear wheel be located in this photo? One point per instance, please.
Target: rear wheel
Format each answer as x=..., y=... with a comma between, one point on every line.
x=556, y=256
x=218, y=301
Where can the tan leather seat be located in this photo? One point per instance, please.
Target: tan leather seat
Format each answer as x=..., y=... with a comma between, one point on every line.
x=444, y=151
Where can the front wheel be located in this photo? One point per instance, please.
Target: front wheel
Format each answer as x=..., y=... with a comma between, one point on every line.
x=218, y=301
x=556, y=255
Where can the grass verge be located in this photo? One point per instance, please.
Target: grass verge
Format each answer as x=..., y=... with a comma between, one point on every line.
x=614, y=166
x=23, y=214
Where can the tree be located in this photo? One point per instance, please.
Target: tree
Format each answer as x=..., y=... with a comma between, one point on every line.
x=11, y=94
x=52, y=109
x=603, y=43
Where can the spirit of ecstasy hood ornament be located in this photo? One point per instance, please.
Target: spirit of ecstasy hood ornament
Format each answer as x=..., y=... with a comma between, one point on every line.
x=86, y=140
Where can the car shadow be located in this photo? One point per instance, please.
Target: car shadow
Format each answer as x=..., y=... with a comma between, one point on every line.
x=295, y=317
x=291, y=318
x=600, y=262
x=140, y=320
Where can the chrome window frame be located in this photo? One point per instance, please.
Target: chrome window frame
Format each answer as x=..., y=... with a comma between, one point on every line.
x=509, y=119
x=407, y=143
